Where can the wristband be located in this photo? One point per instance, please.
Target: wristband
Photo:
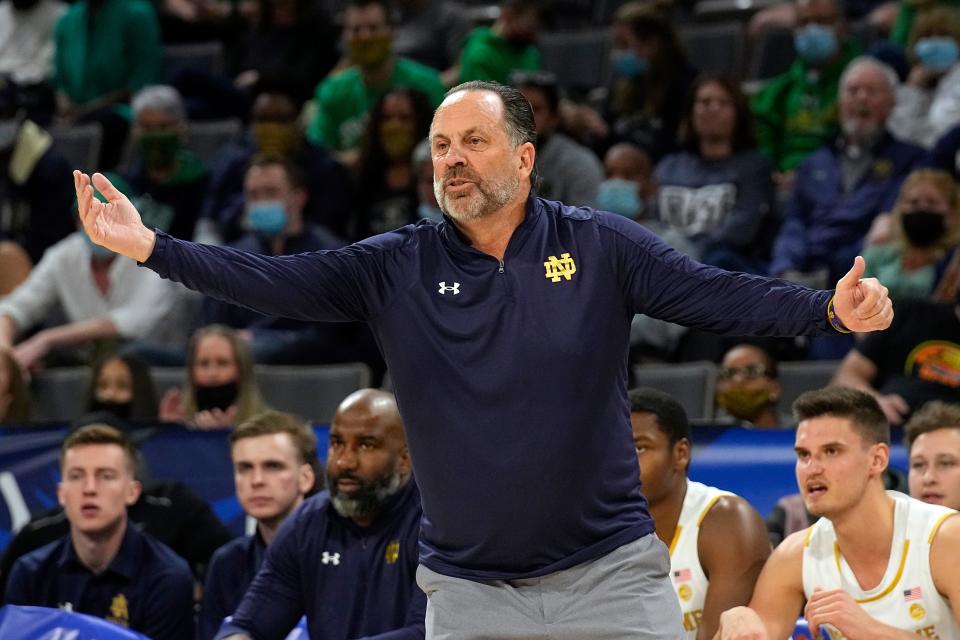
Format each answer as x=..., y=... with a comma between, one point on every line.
x=835, y=322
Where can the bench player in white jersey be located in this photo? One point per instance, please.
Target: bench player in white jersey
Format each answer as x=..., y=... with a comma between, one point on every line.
x=878, y=565
x=718, y=542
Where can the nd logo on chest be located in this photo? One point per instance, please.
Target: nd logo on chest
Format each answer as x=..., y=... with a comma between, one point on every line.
x=555, y=270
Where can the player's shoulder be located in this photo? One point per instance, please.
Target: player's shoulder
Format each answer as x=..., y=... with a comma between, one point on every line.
x=725, y=510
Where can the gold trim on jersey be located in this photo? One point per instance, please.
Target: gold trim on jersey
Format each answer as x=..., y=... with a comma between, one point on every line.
x=806, y=538
x=706, y=509
x=936, y=525
x=893, y=583
x=676, y=538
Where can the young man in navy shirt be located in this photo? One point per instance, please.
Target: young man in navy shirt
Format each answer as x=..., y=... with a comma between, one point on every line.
x=106, y=568
x=505, y=328
x=274, y=468
x=347, y=557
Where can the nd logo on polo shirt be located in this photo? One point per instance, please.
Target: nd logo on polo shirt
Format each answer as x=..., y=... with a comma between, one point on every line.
x=556, y=269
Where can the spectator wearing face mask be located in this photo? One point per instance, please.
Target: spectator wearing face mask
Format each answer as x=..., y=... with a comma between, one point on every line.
x=387, y=181
x=718, y=192
x=168, y=180
x=924, y=230
x=221, y=390
x=493, y=53
x=644, y=103
x=121, y=385
x=343, y=100
x=748, y=388
x=796, y=112
x=928, y=103
x=275, y=200
x=276, y=132
x=628, y=186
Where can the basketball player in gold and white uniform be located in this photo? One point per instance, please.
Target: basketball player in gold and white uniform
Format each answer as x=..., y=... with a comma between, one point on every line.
x=877, y=565
x=718, y=543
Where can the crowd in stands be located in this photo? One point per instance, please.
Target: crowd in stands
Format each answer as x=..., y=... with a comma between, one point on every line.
x=854, y=149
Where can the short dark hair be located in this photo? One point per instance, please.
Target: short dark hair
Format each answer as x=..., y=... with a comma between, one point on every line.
x=99, y=433
x=859, y=407
x=543, y=81
x=671, y=416
x=932, y=416
x=301, y=435
x=293, y=172
x=517, y=112
x=383, y=4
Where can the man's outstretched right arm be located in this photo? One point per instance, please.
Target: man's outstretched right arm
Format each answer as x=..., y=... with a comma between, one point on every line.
x=325, y=286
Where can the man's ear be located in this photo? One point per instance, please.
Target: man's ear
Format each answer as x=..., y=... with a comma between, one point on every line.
x=133, y=493
x=60, y=492
x=307, y=478
x=681, y=454
x=879, y=458
x=527, y=155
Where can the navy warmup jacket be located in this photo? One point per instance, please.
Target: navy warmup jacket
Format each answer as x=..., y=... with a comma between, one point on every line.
x=511, y=375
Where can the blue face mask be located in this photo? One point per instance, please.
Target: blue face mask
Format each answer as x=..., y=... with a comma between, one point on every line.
x=628, y=64
x=620, y=196
x=429, y=212
x=267, y=218
x=936, y=54
x=96, y=250
x=815, y=43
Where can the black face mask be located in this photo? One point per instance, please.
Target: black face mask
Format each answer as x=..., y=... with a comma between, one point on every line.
x=923, y=228
x=120, y=409
x=25, y=5
x=217, y=396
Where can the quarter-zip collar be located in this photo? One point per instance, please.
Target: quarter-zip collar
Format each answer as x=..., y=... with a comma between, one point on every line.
x=457, y=243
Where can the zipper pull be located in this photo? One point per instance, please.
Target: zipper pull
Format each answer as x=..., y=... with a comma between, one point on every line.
x=501, y=265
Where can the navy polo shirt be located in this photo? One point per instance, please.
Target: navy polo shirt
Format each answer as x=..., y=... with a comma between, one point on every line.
x=511, y=375
x=350, y=581
x=147, y=587
x=231, y=571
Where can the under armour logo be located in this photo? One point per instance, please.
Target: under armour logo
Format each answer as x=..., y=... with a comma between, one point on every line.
x=565, y=267
x=330, y=558
x=444, y=288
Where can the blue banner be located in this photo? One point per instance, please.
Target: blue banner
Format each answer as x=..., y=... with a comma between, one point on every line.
x=40, y=623
x=758, y=465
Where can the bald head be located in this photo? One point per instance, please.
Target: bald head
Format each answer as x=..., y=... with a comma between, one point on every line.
x=367, y=461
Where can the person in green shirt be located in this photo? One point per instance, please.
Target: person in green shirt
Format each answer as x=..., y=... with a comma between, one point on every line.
x=343, y=100
x=493, y=53
x=104, y=51
x=796, y=112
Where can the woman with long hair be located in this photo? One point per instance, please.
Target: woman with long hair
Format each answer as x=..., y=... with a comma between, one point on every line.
x=221, y=390
x=924, y=231
x=122, y=385
x=717, y=191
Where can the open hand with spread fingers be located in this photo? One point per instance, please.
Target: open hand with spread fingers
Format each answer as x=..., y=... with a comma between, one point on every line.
x=862, y=304
x=114, y=224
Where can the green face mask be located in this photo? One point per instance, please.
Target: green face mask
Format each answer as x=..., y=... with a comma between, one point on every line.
x=159, y=149
x=744, y=403
x=371, y=51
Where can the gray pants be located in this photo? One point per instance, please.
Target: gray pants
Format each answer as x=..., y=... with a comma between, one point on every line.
x=624, y=594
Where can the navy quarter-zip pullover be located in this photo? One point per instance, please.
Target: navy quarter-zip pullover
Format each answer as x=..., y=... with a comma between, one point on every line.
x=351, y=582
x=511, y=375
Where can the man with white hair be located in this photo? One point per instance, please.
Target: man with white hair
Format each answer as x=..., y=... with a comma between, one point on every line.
x=842, y=187
x=169, y=180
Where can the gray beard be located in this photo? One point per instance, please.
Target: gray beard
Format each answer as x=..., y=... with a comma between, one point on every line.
x=489, y=197
x=369, y=499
